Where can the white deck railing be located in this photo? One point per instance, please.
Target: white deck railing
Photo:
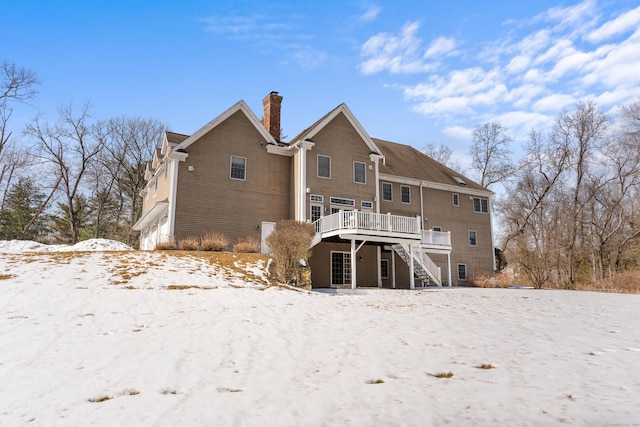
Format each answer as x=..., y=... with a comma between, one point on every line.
x=436, y=238
x=368, y=221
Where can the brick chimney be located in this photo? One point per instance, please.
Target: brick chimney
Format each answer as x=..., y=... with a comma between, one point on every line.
x=271, y=117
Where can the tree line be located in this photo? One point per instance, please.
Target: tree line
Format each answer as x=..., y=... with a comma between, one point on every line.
x=570, y=207
x=76, y=177
x=568, y=210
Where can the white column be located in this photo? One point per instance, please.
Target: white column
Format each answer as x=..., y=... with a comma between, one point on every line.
x=353, y=264
x=302, y=182
x=412, y=283
x=173, y=191
x=449, y=265
x=377, y=170
x=379, y=258
x=393, y=269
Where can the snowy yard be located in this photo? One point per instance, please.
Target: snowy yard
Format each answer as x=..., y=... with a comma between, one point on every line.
x=147, y=338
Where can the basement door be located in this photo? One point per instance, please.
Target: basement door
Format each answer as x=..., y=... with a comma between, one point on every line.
x=266, y=229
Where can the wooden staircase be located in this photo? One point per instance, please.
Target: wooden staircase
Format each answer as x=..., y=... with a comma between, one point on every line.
x=423, y=267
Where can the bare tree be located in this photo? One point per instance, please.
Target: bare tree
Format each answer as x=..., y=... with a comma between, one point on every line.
x=69, y=146
x=443, y=154
x=16, y=85
x=490, y=153
x=581, y=130
x=132, y=142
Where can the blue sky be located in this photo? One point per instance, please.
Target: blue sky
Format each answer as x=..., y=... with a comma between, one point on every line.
x=411, y=72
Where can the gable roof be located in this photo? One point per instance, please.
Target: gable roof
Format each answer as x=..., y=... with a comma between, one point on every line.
x=238, y=106
x=312, y=130
x=404, y=161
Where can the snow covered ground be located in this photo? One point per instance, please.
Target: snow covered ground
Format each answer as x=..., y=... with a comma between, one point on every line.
x=148, y=338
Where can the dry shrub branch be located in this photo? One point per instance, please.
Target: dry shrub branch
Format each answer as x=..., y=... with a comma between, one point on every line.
x=290, y=245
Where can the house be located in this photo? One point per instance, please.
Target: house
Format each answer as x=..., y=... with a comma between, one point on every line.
x=385, y=214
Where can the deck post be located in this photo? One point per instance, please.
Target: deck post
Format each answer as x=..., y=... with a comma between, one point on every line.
x=379, y=259
x=353, y=263
x=449, y=265
x=393, y=269
x=412, y=282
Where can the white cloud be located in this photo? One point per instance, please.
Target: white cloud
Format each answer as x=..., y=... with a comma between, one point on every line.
x=458, y=132
x=553, y=103
x=525, y=77
x=571, y=15
x=371, y=13
x=623, y=23
x=442, y=46
x=397, y=54
x=518, y=64
x=305, y=57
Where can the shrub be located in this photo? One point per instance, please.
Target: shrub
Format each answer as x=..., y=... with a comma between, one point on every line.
x=189, y=243
x=247, y=244
x=290, y=245
x=499, y=280
x=214, y=242
x=165, y=246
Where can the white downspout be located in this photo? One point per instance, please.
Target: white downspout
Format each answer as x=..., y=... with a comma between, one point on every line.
x=173, y=191
x=493, y=249
x=302, y=182
x=421, y=207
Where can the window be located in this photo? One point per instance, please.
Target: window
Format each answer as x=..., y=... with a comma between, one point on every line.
x=340, y=268
x=387, y=192
x=462, y=272
x=480, y=205
x=473, y=238
x=366, y=205
x=436, y=228
x=324, y=166
x=342, y=202
x=238, y=168
x=405, y=194
x=316, y=198
x=359, y=173
x=384, y=268
x=316, y=212
x=456, y=200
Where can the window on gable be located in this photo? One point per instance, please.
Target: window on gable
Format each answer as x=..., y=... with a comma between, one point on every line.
x=324, y=166
x=238, y=168
x=456, y=200
x=480, y=205
x=473, y=238
x=387, y=192
x=359, y=173
x=462, y=272
x=405, y=194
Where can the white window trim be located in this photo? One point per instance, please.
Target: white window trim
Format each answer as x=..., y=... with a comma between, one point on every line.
x=318, y=166
x=466, y=273
x=231, y=167
x=480, y=207
x=364, y=167
x=386, y=261
x=315, y=198
x=311, y=210
x=439, y=229
x=401, y=201
x=336, y=201
x=476, y=237
x=382, y=195
x=362, y=204
x=454, y=197
x=331, y=267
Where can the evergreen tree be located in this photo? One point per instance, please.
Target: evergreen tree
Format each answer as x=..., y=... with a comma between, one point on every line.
x=23, y=202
